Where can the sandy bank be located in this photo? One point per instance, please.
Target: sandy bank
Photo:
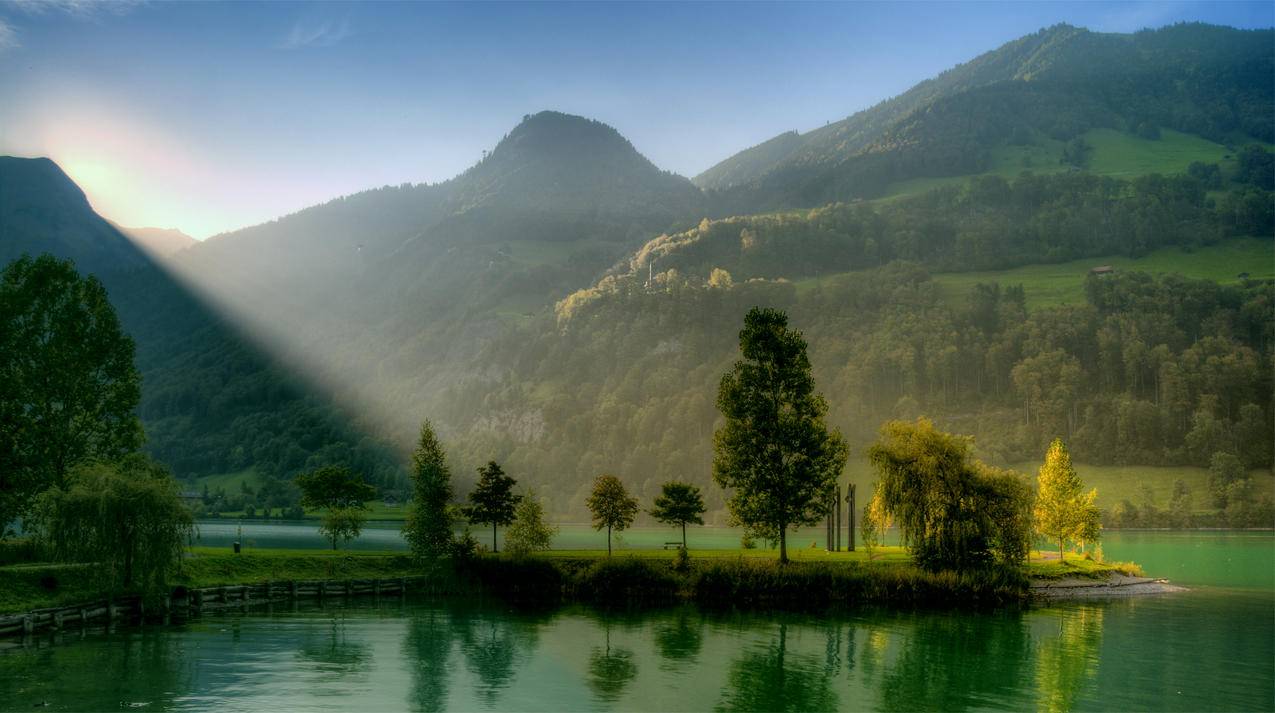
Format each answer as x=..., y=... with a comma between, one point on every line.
x=1118, y=585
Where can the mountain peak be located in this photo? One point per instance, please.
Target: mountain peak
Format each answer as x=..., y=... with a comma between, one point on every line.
x=43, y=211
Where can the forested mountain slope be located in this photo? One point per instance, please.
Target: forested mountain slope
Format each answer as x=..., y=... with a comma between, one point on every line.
x=1054, y=85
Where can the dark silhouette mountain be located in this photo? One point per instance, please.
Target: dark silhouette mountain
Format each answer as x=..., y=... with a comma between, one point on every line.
x=42, y=210
x=1054, y=84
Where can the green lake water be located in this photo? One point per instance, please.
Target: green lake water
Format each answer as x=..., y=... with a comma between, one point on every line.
x=1211, y=648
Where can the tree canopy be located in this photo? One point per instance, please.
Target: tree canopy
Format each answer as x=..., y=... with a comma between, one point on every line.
x=125, y=517
x=1063, y=510
x=492, y=501
x=428, y=528
x=342, y=494
x=774, y=451
x=954, y=511
x=528, y=532
x=611, y=506
x=68, y=386
x=679, y=504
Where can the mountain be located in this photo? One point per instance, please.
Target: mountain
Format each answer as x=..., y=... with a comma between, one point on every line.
x=1052, y=86
x=42, y=210
x=158, y=242
x=210, y=397
x=566, y=308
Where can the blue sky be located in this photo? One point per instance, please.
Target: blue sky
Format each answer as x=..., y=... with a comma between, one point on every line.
x=212, y=116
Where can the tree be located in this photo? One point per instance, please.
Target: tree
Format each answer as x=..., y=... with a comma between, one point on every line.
x=126, y=517
x=342, y=494
x=429, y=523
x=679, y=504
x=528, y=531
x=774, y=450
x=492, y=500
x=611, y=505
x=68, y=386
x=874, y=522
x=954, y=512
x=1224, y=469
x=1063, y=511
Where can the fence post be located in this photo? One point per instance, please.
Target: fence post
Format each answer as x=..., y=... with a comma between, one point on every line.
x=853, y=513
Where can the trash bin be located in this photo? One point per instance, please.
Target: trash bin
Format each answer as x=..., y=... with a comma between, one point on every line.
x=236, y=548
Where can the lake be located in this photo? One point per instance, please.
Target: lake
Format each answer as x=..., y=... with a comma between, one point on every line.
x=1211, y=648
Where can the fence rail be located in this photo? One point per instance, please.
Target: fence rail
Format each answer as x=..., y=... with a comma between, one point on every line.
x=183, y=602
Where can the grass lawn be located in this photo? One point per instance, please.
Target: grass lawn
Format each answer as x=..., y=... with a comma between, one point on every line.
x=1063, y=283
x=1115, y=153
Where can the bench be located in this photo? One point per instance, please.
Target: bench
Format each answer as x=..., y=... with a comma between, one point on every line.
x=674, y=545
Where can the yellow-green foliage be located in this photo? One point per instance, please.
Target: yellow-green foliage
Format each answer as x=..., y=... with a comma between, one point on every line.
x=1063, y=511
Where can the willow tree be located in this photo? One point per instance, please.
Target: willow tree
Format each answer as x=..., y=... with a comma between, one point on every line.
x=954, y=512
x=1063, y=510
x=126, y=517
x=428, y=528
x=774, y=452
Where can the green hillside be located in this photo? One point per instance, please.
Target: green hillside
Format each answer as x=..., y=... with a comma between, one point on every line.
x=1115, y=153
x=1064, y=283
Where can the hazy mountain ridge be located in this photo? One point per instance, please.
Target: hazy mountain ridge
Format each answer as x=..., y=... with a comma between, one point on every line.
x=158, y=242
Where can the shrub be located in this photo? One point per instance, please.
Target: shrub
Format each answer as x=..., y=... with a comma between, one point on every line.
x=627, y=581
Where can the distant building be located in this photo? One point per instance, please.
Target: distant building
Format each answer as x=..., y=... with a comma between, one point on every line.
x=1102, y=270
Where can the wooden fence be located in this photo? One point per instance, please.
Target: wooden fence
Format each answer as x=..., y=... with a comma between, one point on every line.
x=182, y=602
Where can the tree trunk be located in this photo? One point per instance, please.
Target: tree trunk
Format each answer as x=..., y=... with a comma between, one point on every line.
x=783, y=544
x=1061, y=558
x=493, y=537
x=608, y=540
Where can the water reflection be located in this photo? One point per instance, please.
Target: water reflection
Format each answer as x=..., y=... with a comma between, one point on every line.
x=772, y=679
x=1067, y=659
x=428, y=649
x=611, y=668
x=678, y=638
x=1196, y=651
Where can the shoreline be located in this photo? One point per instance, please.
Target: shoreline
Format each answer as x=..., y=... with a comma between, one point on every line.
x=1116, y=586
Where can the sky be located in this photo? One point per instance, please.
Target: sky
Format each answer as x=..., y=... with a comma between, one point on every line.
x=208, y=117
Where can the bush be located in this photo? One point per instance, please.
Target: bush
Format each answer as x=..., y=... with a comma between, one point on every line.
x=810, y=585
x=516, y=579
x=627, y=581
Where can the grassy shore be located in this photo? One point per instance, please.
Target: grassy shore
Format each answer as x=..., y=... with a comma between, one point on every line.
x=713, y=577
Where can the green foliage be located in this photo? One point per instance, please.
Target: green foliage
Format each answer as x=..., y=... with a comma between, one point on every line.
x=624, y=581
x=340, y=492
x=334, y=486
x=68, y=387
x=954, y=512
x=492, y=501
x=529, y=532
x=874, y=522
x=1224, y=469
x=611, y=506
x=428, y=528
x=679, y=504
x=342, y=524
x=774, y=451
x=1063, y=511
x=124, y=517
